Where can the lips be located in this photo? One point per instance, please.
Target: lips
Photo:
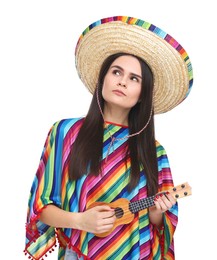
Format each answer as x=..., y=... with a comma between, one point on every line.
x=118, y=92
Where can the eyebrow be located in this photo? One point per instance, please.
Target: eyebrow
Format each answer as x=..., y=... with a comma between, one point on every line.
x=120, y=68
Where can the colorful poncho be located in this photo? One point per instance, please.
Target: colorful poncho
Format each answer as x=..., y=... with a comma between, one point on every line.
x=136, y=240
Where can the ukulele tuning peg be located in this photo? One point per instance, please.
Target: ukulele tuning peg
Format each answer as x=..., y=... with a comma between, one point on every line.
x=177, y=195
x=185, y=193
x=183, y=185
x=174, y=189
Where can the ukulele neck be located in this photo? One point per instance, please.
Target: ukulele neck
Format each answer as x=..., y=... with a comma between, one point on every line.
x=180, y=191
x=141, y=204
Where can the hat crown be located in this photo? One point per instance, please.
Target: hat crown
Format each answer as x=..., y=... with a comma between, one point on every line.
x=168, y=60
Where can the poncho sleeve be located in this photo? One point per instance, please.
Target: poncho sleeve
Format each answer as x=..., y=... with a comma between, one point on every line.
x=163, y=246
x=40, y=238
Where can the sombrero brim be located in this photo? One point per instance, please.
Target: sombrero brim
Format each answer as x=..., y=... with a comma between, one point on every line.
x=167, y=59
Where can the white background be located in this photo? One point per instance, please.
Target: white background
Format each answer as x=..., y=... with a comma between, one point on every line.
x=39, y=85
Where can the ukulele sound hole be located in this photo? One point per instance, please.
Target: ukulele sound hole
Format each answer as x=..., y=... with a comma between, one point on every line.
x=119, y=212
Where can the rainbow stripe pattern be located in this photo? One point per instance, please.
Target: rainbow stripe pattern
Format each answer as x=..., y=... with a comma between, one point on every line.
x=137, y=240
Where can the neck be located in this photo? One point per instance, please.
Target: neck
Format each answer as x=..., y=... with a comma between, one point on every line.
x=118, y=116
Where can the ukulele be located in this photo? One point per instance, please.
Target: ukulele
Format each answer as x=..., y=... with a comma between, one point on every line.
x=124, y=210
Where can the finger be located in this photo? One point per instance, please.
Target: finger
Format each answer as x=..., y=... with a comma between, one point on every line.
x=105, y=224
x=160, y=203
x=107, y=214
x=108, y=221
x=157, y=202
x=105, y=211
x=165, y=203
x=104, y=228
x=170, y=198
x=104, y=208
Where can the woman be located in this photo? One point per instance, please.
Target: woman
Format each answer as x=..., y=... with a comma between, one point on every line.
x=110, y=154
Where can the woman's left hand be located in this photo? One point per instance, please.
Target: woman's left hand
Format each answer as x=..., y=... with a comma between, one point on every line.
x=163, y=202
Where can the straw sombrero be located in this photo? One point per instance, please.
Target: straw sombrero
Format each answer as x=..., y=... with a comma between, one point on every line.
x=168, y=60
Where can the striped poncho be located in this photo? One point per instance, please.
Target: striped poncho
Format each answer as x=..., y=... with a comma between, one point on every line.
x=136, y=240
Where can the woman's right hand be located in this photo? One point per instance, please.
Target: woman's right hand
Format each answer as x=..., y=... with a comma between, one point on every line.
x=98, y=219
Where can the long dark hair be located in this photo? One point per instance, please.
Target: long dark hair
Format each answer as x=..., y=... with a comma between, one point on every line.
x=86, y=152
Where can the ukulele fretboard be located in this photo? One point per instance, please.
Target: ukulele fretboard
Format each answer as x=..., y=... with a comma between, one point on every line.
x=141, y=204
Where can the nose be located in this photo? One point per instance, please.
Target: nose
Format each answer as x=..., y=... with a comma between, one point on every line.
x=122, y=83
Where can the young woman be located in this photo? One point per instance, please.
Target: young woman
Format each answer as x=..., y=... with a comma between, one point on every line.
x=110, y=155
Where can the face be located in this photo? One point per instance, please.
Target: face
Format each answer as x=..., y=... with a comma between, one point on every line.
x=122, y=83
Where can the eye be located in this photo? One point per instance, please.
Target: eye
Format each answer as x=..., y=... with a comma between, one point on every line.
x=116, y=72
x=136, y=79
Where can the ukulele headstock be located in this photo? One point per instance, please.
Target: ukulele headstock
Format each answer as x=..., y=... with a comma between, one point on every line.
x=180, y=191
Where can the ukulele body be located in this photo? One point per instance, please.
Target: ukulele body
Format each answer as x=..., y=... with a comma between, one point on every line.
x=122, y=213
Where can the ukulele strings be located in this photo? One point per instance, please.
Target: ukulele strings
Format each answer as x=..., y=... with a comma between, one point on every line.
x=125, y=209
x=119, y=210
